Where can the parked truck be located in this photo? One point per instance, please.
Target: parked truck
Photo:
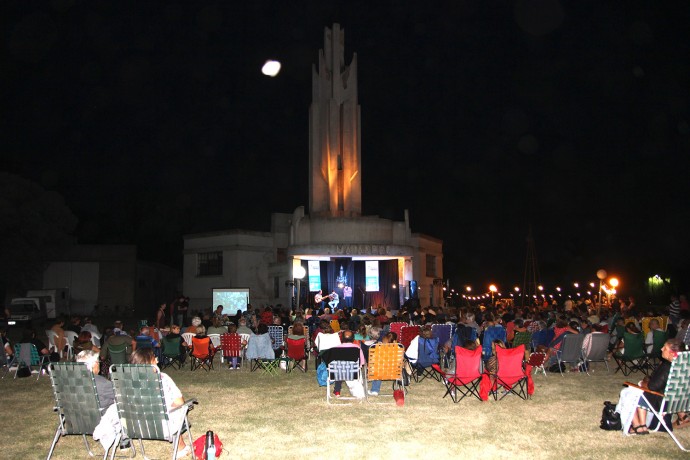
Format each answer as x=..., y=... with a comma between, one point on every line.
x=38, y=306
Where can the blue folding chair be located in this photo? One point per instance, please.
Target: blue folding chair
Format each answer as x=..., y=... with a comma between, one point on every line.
x=492, y=333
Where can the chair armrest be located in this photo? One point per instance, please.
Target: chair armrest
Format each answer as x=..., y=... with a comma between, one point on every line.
x=189, y=404
x=646, y=390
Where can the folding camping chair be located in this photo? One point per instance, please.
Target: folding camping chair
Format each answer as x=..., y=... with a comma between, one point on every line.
x=522, y=338
x=142, y=410
x=26, y=355
x=633, y=357
x=396, y=327
x=261, y=355
x=171, y=353
x=467, y=377
x=490, y=334
x=202, y=354
x=427, y=356
x=407, y=333
x=277, y=339
x=76, y=403
x=570, y=351
x=510, y=373
x=653, y=357
x=296, y=353
x=442, y=332
x=343, y=365
x=231, y=347
x=385, y=362
x=597, y=352
x=676, y=395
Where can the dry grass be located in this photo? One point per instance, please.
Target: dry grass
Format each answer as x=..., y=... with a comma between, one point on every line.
x=287, y=417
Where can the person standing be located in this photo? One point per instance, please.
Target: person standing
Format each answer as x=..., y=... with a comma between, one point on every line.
x=347, y=295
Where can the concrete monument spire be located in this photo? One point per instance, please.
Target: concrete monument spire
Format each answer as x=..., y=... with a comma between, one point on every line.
x=335, y=180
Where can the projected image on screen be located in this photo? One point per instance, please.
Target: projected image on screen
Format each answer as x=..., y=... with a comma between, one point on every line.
x=371, y=275
x=232, y=300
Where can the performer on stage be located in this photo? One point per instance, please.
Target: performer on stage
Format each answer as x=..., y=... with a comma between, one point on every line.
x=335, y=300
x=347, y=295
x=319, y=300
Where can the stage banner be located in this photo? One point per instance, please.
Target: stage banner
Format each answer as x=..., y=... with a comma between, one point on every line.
x=314, y=275
x=371, y=274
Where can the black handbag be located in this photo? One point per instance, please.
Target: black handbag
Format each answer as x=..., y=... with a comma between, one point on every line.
x=610, y=419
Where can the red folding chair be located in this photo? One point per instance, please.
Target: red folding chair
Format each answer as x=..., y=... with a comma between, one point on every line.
x=467, y=377
x=202, y=354
x=407, y=333
x=296, y=353
x=231, y=347
x=510, y=374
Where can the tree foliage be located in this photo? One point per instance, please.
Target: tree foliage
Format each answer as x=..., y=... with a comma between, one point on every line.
x=35, y=227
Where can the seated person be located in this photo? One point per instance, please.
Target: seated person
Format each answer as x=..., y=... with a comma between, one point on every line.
x=83, y=342
x=174, y=334
x=89, y=326
x=6, y=345
x=326, y=338
x=118, y=338
x=242, y=328
x=106, y=392
x=144, y=337
x=356, y=387
x=196, y=322
x=649, y=339
x=655, y=382
x=259, y=345
x=491, y=366
x=217, y=327
x=60, y=339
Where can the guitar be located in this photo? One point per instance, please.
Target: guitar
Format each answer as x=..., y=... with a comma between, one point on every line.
x=318, y=298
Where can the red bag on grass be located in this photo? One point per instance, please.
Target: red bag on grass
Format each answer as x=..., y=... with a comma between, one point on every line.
x=399, y=396
x=200, y=446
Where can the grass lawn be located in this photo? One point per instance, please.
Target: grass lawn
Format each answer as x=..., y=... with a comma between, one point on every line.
x=259, y=416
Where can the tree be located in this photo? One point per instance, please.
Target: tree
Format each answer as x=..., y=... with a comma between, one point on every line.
x=35, y=227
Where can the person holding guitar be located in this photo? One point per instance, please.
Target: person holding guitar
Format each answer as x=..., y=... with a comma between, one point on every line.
x=318, y=299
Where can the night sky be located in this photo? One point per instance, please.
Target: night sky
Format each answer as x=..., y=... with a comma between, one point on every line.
x=483, y=118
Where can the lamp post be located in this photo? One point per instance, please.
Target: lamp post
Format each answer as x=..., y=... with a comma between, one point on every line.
x=493, y=290
x=601, y=274
x=298, y=273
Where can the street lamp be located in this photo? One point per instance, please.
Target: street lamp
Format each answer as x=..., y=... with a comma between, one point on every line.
x=493, y=290
x=298, y=273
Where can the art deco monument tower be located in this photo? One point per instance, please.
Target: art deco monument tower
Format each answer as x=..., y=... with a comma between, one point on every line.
x=335, y=180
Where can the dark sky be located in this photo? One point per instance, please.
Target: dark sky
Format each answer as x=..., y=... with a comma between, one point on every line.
x=153, y=120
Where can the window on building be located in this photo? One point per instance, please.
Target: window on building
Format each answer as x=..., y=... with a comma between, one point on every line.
x=281, y=256
x=209, y=263
x=430, y=266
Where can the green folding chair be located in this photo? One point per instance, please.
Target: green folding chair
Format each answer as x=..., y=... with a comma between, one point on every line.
x=522, y=338
x=76, y=402
x=633, y=357
x=141, y=407
x=676, y=395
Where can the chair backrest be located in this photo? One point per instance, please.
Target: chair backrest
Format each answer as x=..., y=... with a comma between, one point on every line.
x=231, y=344
x=201, y=348
x=276, y=334
x=144, y=341
x=536, y=359
x=71, y=336
x=385, y=361
x=571, y=348
x=96, y=338
x=52, y=335
x=427, y=352
x=140, y=401
x=187, y=337
x=295, y=348
x=509, y=362
x=441, y=332
x=245, y=338
x=542, y=337
x=490, y=334
x=215, y=340
x=468, y=363
x=660, y=338
x=633, y=345
x=335, y=325
x=522, y=338
x=677, y=391
x=407, y=333
x=117, y=353
x=463, y=333
x=260, y=347
x=396, y=327
x=171, y=346
x=598, y=349
x=30, y=358
x=76, y=397
x=344, y=364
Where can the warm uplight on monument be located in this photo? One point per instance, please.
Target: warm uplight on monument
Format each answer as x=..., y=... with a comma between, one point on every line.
x=271, y=68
